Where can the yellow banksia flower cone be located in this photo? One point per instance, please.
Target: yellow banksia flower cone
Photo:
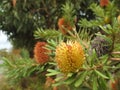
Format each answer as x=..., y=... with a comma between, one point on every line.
x=118, y=18
x=69, y=56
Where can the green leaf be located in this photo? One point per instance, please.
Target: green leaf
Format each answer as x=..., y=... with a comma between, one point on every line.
x=100, y=74
x=52, y=72
x=58, y=78
x=93, y=57
x=7, y=62
x=46, y=34
x=97, y=10
x=52, y=42
x=104, y=59
x=80, y=79
x=104, y=29
x=88, y=24
x=31, y=70
x=58, y=83
x=52, y=63
x=102, y=84
x=50, y=47
x=95, y=83
x=71, y=79
x=24, y=53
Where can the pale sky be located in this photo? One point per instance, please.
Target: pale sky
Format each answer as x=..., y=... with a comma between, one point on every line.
x=4, y=43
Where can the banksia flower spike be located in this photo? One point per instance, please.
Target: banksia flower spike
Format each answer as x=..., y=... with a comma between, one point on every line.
x=49, y=82
x=100, y=45
x=64, y=25
x=69, y=56
x=104, y=3
x=115, y=85
x=40, y=53
x=118, y=18
x=14, y=3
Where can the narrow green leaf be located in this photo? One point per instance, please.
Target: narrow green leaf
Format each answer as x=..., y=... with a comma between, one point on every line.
x=31, y=70
x=8, y=62
x=52, y=72
x=93, y=57
x=100, y=74
x=52, y=43
x=59, y=83
x=95, y=83
x=102, y=84
x=104, y=29
x=58, y=78
x=104, y=59
x=81, y=78
x=70, y=79
x=52, y=63
x=50, y=47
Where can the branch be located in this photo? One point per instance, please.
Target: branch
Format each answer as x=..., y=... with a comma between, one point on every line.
x=117, y=52
x=92, y=68
x=45, y=7
x=115, y=59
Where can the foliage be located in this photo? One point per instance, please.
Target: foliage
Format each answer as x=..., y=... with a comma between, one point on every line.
x=100, y=67
x=14, y=71
x=97, y=71
x=19, y=19
x=51, y=34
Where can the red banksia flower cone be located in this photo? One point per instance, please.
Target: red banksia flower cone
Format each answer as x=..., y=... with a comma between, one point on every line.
x=49, y=82
x=69, y=56
x=104, y=3
x=40, y=53
x=63, y=25
x=114, y=85
x=14, y=3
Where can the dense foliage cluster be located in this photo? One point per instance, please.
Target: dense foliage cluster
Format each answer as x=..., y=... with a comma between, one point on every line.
x=77, y=43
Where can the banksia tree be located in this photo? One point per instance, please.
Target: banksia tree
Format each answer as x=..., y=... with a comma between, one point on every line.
x=78, y=59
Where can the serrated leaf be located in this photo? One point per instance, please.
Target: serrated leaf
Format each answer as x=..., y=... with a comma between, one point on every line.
x=100, y=74
x=81, y=78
